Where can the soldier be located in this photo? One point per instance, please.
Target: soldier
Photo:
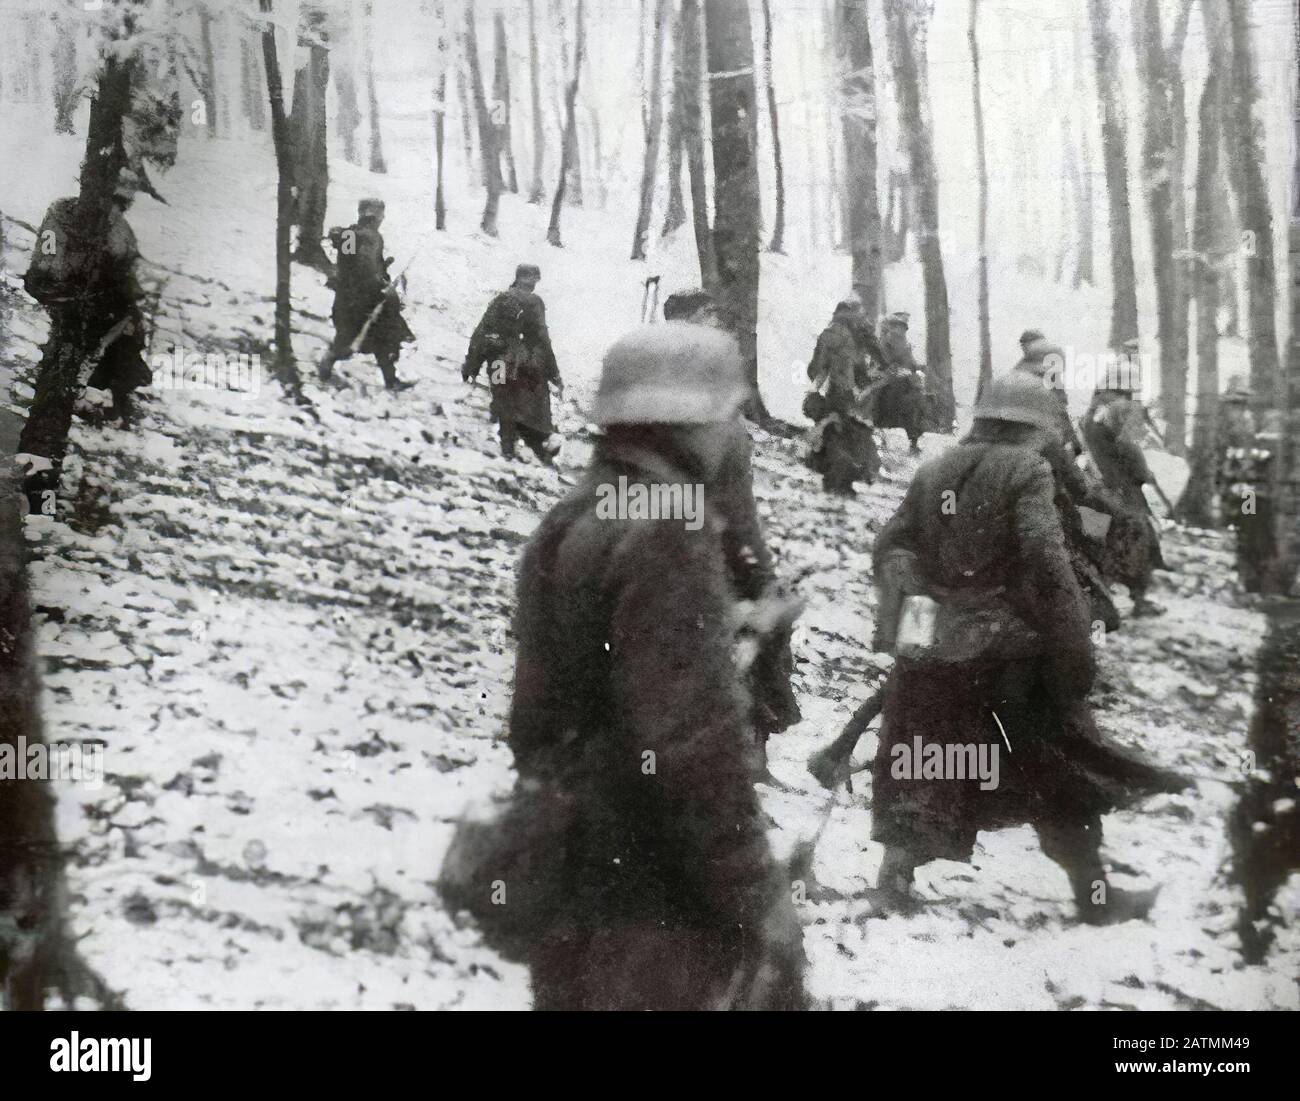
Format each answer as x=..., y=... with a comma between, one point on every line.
x=901, y=402
x=1044, y=361
x=752, y=571
x=1246, y=501
x=97, y=296
x=513, y=342
x=842, y=447
x=629, y=708
x=1132, y=545
x=362, y=286
x=1005, y=672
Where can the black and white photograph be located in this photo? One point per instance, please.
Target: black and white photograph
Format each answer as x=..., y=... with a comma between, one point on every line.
x=671, y=505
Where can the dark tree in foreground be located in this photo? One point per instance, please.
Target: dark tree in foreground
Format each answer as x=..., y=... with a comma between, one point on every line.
x=569, y=147
x=377, y=163
x=307, y=128
x=736, y=203
x=501, y=100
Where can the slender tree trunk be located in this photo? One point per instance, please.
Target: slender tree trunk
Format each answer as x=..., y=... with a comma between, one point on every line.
x=1123, y=318
x=377, y=163
x=693, y=139
x=487, y=131
x=652, y=132
x=65, y=77
x=986, y=343
x=1195, y=505
x=736, y=202
x=906, y=29
x=810, y=147
x=1255, y=209
x=537, y=192
x=307, y=127
x=778, y=227
x=501, y=99
x=440, y=119
x=474, y=167
x=209, y=70
x=1157, y=168
x=837, y=210
x=570, y=145
x=858, y=113
x=286, y=368
x=349, y=112
x=675, y=214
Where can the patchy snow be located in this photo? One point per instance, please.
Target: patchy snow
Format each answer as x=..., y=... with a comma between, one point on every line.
x=292, y=635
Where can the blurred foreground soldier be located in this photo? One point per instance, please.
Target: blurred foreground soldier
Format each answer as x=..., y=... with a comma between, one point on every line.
x=842, y=447
x=513, y=343
x=771, y=612
x=986, y=723
x=1132, y=545
x=1246, y=501
x=367, y=310
x=902, y=401
x=93, y=298
x=645, y=876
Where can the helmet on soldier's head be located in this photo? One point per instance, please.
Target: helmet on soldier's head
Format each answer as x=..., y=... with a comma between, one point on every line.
x=372, y=208
x=1020, y=398
x=528, y=273
x=1029, y=336
x=1238, y=390
x=898, y=319
x=674, y=373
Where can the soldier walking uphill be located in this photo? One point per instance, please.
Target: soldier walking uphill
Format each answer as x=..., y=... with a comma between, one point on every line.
x=1246, y=499
x=977, y=540
x=842, y=447
x=1132, y=545
x=513, y=343
x=902, y=401
x=650, y=882
x=362, y=286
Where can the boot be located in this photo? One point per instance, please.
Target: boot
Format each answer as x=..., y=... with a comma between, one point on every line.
x=391, y=382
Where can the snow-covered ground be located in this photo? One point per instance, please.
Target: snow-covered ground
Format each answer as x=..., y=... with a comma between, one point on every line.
x=292, y=635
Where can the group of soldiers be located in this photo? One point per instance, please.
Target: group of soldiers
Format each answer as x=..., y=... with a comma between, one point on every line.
x=634, y=840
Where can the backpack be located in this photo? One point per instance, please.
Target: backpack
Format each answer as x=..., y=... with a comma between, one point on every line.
x=51, y=275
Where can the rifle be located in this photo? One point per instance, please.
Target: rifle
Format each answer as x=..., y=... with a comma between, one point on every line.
x=831, y=765
x=388, y=292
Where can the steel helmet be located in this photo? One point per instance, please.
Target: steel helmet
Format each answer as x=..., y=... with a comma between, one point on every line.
x=674, y=373
x=1022, y=398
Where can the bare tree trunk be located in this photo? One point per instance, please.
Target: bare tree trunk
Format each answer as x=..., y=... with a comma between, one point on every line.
x=440, y=118
x=655, y=125
x=286, y=368
x=810, y=147
x=736, y=203
x=537, y=192
x=349, y=112
x=209, y=70
x=1255, y=210
x=570, y=144
x=501, y=99
x=857, y=102
x=307, y=128
x=778, y=227
x=1195, y=505
x=986, y=343
x=1123, y=318
x=907, y=32
x=837, y=210
x=475, y=167
x=1157, y=168
x=377, y=163
x=693, y=137
x=675, y=214
x=65, y=76
x=487, y=131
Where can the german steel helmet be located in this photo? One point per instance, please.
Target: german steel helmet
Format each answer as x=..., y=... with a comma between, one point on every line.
x=1022, y=398
x=674, y=373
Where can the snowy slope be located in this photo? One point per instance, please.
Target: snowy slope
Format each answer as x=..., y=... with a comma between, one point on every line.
x=291, y=633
